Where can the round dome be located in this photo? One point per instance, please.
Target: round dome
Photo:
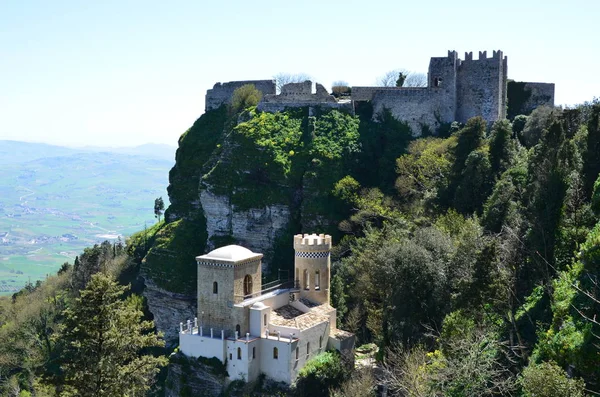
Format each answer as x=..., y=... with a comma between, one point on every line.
x=258, y=305
x=231, y=253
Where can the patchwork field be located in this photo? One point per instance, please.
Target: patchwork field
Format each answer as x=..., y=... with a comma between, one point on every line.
x=52, y=208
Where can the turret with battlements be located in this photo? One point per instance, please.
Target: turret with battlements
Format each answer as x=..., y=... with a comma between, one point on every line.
x=312, y=265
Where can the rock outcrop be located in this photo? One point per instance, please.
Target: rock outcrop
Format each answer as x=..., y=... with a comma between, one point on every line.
x=169, y=309
x=255, y=228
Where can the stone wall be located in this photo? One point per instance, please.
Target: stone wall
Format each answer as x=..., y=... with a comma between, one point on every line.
x=419, y=107
x=214, y=309
x=542, y=94
x=367, y=93
x=481, y=87
x=222, y=92
x=295, y=95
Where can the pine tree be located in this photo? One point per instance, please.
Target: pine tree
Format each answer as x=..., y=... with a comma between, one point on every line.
x=159, y=207
x=106, y=343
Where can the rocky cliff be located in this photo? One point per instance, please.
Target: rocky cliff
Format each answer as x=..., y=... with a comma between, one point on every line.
x=253, y=179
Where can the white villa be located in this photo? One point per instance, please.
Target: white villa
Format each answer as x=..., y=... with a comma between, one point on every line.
x=270, y=329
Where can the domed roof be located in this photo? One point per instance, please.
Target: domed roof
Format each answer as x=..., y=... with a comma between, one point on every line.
x=231, y=253
x=258, y=305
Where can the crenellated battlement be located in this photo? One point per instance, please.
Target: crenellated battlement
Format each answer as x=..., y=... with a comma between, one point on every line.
x=457, y=89
x=312, y=242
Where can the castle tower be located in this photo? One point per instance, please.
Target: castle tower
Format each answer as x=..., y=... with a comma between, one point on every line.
x=227, y=276
x=441, y=77
x=481, y=87
x=312, y=265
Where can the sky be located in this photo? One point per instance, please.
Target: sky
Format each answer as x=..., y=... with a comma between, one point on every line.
x=125, y=73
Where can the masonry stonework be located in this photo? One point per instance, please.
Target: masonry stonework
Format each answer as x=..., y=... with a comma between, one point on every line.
x=221, y=93
x=274, y=331
x=456, y=90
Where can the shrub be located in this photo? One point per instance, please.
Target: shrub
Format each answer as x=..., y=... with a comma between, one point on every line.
x=323, y=372
x=549, y=380
x=245, y=96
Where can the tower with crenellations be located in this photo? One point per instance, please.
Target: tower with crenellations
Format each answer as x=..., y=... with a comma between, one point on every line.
x=312, y=263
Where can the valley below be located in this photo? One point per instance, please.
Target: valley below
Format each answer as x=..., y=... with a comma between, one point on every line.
x=54, y=205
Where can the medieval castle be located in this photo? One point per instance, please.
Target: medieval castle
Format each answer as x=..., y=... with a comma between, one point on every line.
x=271, y=329
x=456, y=90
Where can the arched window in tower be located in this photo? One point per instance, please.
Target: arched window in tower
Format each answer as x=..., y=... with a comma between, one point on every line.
x=307, y=348
x=306, y=279
x=239, y=353
x=248, y=284
x=237, y=329
x=297, y=352
x=317, y=279
x=254, y=352
x=265, y=320
x=320, y=342
x=275, y=353
x=215, y=288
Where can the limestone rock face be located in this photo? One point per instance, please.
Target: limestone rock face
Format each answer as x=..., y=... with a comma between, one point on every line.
x=254, y=228
x=187, y=377
x=169, y=309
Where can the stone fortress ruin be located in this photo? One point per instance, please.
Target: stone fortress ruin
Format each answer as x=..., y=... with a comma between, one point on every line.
x=456, y=90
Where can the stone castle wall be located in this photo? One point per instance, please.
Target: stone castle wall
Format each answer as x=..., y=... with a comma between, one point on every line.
x=419, y=107
x=456, y=91
x=222, y=92
x=542, y=94
x=481, y=87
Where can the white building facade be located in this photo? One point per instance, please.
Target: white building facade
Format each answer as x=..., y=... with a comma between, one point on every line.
x=271, y=329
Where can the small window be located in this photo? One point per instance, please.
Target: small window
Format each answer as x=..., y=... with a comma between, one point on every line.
x=265, y=320
x=215, y=288
x=254, y=352
x=230, y=356
x=275, y=353
x=248, y=285
x=317, y=279
x=307, y=348
x=320, y=342
x=306, y=279
x=237, y=329
x=297, y=352
x=239, y=353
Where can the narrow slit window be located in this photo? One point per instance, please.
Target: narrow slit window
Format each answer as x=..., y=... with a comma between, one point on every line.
x=254, y=352
x=317, y=279
x=265, y=320
x=306, y=279
x=248, y=285
x=275, y=353
x=307, y=348
x=215, y=288
x=297, y=352
x=239, y=353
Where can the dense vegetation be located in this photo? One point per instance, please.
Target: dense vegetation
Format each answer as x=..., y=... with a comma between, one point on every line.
x=470, y=258
x=80, y=333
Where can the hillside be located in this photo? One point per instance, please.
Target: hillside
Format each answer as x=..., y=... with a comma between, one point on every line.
x=467, y=261
x=55, y=201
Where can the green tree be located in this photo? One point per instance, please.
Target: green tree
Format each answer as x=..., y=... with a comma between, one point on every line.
x=592, y=158
x=159, y=207
x=327, y=370
x=245, y=96
x=549, y=380
x=106, y=343
x=502, y=147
